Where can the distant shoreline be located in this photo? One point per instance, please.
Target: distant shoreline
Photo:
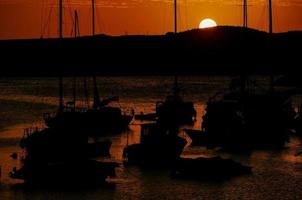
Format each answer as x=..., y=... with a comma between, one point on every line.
x=144, y=35
x=222, y=50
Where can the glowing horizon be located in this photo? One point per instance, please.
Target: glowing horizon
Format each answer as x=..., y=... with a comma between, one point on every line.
x=25, y=19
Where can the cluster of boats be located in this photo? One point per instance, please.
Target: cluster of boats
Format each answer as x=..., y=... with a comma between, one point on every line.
x=66, y=151
x=239, y=119
x=69, y=147
x=245, y=118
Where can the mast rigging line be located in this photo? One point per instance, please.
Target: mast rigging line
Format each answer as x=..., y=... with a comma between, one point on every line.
x=47, y=24
x=71, y=16
x=42, y=19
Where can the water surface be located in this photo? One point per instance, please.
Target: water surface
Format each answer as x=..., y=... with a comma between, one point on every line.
x=276, y=174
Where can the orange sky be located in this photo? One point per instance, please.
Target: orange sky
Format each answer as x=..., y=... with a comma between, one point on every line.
x=26, y=18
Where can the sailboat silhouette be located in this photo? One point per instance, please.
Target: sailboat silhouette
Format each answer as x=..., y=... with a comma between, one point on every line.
x=99, y=119
x=174, y=111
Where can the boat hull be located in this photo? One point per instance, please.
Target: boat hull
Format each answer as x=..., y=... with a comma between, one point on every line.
x=65, y=174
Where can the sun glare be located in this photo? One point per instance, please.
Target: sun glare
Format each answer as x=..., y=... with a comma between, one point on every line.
x=207, y=23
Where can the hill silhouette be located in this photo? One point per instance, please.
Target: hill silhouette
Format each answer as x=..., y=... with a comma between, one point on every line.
x=219, y=50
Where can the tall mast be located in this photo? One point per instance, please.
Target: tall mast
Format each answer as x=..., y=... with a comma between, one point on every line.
x=76, y=32
x=93, y=18
x=175, y=87
x=61, y=18
x=245, y=14
x=61, y=106
x=76, y=24
x=175, y=16
x=270, y=15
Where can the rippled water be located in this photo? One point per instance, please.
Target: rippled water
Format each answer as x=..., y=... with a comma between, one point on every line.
x=276, y=174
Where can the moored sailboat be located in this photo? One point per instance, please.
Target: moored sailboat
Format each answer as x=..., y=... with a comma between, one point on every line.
x=97, y=121
x=174, y=111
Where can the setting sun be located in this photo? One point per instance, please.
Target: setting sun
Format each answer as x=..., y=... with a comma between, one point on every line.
x=207, y=23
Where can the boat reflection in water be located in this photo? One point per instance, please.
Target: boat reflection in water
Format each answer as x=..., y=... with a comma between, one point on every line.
x=214, y=168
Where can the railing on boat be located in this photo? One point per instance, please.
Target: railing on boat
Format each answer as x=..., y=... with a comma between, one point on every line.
x=31, y=130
